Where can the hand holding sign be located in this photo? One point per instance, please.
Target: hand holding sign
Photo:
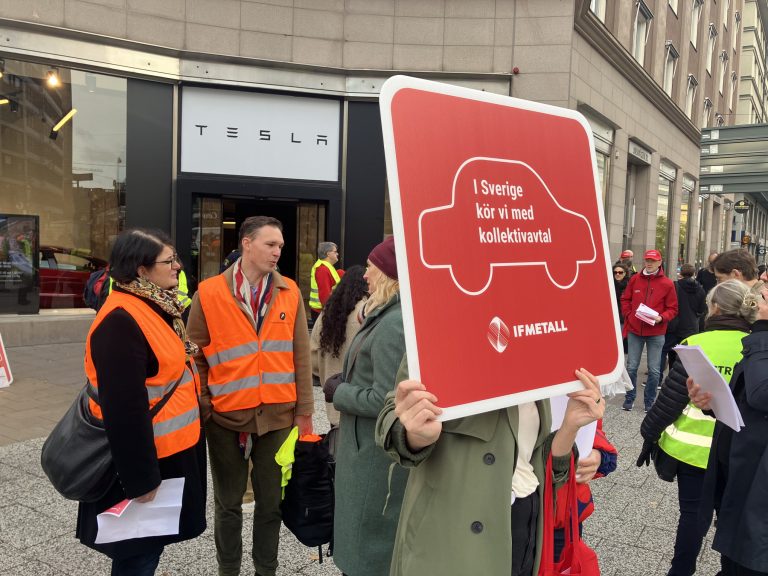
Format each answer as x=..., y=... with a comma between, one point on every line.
x=416, y=409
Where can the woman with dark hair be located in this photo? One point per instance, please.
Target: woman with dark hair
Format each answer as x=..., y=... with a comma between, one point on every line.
x=620, y=280
x=137, y=356
x=335, y=328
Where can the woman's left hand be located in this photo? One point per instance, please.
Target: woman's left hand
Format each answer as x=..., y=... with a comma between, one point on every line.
x=584, y=406
x=587, y=467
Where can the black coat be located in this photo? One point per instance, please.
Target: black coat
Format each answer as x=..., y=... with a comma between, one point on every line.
x=736, y=483
x=124, y=360
x=691, y=303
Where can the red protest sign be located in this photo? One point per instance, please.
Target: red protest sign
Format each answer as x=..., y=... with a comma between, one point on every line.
x=502, y=255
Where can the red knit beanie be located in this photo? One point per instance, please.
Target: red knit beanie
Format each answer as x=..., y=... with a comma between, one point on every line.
x=383, y=257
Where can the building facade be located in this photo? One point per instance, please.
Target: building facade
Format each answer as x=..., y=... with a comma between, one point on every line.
x=753, y=84
x=190, y=115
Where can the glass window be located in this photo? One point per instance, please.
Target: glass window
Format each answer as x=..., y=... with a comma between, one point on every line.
x=603, y=163
x=707, y=113
x=723, y=67
x=683, y=237
x=598, y=8
x=62, y=158
x=695, y=17
x=673, y=5
x=711, y=47
x=670, y=64
x=726, y=6
x=690, y=95
x=736, y=27
x=642, y=28
x=734, y=78
x=662, y=215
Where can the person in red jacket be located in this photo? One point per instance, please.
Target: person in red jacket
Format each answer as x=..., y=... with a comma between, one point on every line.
x=657, y=292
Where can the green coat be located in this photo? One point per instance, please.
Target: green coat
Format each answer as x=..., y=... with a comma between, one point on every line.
x=365, y=520
x=465, y=478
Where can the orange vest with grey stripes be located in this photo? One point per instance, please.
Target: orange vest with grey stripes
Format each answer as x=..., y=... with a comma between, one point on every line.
x=176, y=426
x=246, y=369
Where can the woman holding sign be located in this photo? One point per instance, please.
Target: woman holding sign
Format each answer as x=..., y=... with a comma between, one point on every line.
x=368, y=489
x=736, y=481
x=677, y=434
x=456, y=516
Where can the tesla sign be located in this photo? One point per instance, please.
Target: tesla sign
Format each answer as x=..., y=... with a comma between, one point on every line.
x=258, y=134
x=502, y=254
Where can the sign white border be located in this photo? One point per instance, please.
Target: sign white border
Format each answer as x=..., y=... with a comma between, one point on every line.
x=5, y=381
x=388, y=91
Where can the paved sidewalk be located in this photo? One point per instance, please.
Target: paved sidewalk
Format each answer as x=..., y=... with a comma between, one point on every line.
x=632, y=529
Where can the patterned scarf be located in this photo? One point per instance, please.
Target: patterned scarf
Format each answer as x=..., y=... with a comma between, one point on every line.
x=168, y=301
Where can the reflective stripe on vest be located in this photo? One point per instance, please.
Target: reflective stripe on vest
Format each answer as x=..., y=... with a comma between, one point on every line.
x=689, y=438
x=314, y=293
x=183, y=290
x=246, y=370
x=176, y=426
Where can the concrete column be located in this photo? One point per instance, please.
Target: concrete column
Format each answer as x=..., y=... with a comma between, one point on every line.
x=728, y=230
x=716, y=228
x=707, y=225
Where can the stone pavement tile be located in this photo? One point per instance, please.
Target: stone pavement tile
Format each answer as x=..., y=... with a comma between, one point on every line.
x=35, y=568
x=25, y=456
x=627, y=560
x=67, y=554
x=21, y=526
x=10, y=556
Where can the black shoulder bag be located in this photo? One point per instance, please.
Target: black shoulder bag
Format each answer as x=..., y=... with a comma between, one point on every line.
x=76, y=456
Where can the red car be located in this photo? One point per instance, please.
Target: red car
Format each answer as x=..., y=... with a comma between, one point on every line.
x=63, y=275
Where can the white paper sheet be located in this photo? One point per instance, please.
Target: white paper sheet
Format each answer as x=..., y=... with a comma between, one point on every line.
x=585, y=437
x=704, y=373
x=646, y=314
x=130, y=519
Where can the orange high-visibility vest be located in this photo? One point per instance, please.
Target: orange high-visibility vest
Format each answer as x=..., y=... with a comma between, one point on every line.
x=177, y=426
x=246, y=369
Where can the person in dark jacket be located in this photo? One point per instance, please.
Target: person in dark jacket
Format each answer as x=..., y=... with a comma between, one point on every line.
x=620, y=280
x=678, y=433
x=691, y=303
x=136, y=349
x=706, y=276
x=653, y=289
x=737, y=471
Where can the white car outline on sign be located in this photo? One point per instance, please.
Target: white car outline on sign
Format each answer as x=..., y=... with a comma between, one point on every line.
x=493, y=265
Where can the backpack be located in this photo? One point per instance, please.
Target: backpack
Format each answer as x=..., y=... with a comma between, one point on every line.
x=94, y=292
x=309, y=496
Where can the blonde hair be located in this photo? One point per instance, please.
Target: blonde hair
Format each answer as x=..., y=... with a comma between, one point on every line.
x=733, y=298
x=385, y=289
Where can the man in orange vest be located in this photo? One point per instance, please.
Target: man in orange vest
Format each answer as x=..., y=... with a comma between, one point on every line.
x=256, y=384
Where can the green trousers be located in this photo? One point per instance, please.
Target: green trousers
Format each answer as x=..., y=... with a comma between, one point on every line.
x=230, y=475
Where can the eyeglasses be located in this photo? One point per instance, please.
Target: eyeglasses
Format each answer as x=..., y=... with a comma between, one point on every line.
x=173, y=259
x=619, y=272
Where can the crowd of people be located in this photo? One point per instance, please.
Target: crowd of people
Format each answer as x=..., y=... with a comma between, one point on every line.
x=414, y=495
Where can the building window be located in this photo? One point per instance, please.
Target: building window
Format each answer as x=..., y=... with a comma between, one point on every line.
x=670, y=64
x=662, y=214
x=707, y=112
x=63, y=163
x=736, y=28
x=711, y=47
x=695, y=17
x=734, y=79
x=723, y=65
x=673, y=5
x=642, y=29
x=690, y=95
x=726, y=6
x=719, y=119
x=598, y=8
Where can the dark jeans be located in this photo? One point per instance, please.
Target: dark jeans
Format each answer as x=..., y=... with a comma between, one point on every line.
x=141, y=565
x=731, y=568
x=670, y=341
x=690, y=532
x=560, y=540
x=229, y=471
x=525, y=514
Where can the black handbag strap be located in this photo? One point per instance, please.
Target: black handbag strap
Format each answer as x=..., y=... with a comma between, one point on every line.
x=93, y=394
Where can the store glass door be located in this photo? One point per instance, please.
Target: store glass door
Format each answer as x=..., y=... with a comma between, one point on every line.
x=215, y=233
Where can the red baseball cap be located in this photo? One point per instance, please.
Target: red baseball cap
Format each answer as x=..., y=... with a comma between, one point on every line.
x=626, y=254
x=652, y=255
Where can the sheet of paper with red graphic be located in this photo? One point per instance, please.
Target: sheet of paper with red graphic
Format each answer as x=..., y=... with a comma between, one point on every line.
x=5, y=369
x=502, y=254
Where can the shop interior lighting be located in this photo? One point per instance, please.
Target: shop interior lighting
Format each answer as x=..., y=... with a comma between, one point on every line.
x=66, y=118
x=52, y=78
x=4, y=101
